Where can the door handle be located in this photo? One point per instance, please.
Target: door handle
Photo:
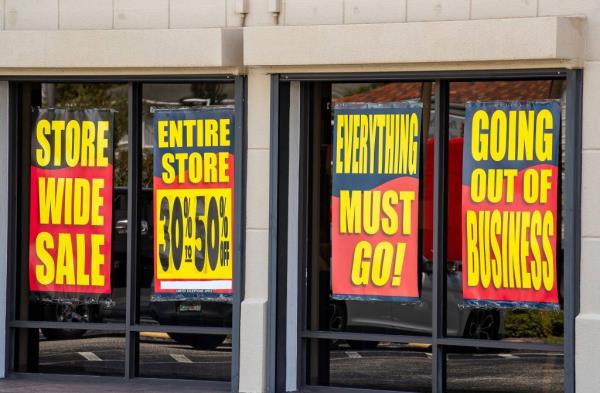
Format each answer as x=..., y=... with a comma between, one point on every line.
x=121, y=227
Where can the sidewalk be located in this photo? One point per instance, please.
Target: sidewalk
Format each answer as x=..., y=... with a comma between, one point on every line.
x=85, y=384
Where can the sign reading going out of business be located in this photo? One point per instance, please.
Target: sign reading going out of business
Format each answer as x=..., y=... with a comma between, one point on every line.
x=375, y=201
x=193, y=201
x=71, y=201
x=509, y=204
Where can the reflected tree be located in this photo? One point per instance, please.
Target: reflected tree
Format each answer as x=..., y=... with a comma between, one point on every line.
x=97, y=95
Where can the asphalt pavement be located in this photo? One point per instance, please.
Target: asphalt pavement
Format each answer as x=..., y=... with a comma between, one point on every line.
x=401, y=367
x=389, y=366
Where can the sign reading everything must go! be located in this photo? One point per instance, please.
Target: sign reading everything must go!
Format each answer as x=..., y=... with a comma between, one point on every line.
x=71, y=201
x=510, y=200
x=193, y=201
x=375, y=201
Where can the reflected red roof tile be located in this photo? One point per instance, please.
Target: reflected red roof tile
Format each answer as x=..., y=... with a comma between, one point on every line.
x=460, y=92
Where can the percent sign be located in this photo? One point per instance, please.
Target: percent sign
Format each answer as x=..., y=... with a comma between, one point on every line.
x=188, y=228
x=224, y=249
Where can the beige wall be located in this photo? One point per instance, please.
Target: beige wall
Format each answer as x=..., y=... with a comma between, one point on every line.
x=176, y=14
x=254, y=306
x=51, y=15
x=141, y=17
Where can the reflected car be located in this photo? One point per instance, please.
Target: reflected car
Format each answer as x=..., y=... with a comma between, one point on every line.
x=415, y=318
x=208, y=312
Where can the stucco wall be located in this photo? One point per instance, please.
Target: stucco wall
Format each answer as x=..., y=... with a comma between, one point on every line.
x=175, y=14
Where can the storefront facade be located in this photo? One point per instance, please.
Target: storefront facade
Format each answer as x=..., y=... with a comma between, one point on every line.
x=267, y=90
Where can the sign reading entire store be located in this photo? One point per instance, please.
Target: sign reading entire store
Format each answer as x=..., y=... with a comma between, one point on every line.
x=71, y=201
x=193, y=201
x=375, y=201
x=509, y=204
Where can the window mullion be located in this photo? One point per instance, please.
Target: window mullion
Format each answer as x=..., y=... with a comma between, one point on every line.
x=12, y=236
x=240, y=225
x=134, y=134
x=439, y=234
x=572, y=221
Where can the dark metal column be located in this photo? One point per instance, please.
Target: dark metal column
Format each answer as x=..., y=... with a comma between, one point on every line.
x=572, y=220
x=440, y=189
x=134, y=184
x=273, y=219
x=240, y=225
x=12, y=241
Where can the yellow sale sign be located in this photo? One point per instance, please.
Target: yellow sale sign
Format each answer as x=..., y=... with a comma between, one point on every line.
x=193, y=201
x=192, y=228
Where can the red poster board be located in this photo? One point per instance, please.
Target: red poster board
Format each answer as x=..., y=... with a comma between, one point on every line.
x=510, y=204
x=70, y=203
x=375, y=201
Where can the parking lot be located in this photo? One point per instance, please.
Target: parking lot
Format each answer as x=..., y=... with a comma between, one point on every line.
x=389, y=366
x=160, y=356
x=402, y=367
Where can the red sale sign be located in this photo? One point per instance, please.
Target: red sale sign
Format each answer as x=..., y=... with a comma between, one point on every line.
x=71, y=201
x=510, y=204
x=375, y=201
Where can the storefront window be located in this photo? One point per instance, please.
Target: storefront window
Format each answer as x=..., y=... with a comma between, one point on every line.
x=189, y=356
x=524, y=321
x=351, y=314
x=165, y=299
x=62, y=304
x=495, y=306
x=371, y=310
x=388, y=366
x=97, y=353
x=500, y=371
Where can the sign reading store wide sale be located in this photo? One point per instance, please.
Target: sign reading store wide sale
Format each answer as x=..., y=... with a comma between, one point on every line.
x=510, y=200
x=193, y=200
x=71, y=201
x=375, y=201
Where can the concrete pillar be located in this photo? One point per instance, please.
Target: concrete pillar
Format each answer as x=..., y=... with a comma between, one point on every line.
x=253, y=325
x=587, y=324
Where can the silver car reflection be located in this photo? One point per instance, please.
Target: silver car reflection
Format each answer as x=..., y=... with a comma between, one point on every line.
x=415, y=318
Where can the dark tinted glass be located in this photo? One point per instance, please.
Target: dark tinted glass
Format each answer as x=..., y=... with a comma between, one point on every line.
x=501, y=371
x=71, y=352
x=369, y=365
x=198, y=311
x=80, y=351
x=370, y=316
x=187, y=356
x=528, y=325
x=77, y=307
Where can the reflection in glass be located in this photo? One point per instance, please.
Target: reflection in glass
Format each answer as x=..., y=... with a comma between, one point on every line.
x=370, y=365
x=87, y=352
x=80, y=307
x=495, y=324
x=188, y=356
x=173, y=312
x=502, y=371
x=96, y=95
x=358, y=315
